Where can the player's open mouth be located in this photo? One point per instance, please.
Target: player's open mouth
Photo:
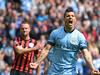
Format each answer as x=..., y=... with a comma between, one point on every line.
x=70, y=21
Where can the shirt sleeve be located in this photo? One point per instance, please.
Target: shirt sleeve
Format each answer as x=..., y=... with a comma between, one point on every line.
x=82, y=42
x=51, y=39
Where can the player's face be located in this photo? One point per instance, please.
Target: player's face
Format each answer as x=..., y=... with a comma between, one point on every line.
x=69, y=20
x=25, y=29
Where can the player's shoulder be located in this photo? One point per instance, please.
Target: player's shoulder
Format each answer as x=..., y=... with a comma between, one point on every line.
x=32, y=40
x=58, y=29
x=80, y=34
x=17, y=38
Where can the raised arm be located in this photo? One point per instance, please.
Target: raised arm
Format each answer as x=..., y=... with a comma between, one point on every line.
x=43, y=55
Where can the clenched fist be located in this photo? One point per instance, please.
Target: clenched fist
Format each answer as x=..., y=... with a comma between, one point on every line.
x=34, y=65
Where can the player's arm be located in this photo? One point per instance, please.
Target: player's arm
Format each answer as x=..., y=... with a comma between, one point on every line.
x=43, y=55
x=45, y=50
x=21, y=50
x=88, y=59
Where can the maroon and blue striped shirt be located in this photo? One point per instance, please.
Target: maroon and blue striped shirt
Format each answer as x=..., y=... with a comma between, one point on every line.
x=22, y=61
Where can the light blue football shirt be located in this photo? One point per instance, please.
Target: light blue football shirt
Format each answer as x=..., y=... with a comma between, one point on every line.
x=63, y=55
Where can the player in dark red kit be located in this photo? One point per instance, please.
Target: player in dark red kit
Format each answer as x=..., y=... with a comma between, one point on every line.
x=24, y=48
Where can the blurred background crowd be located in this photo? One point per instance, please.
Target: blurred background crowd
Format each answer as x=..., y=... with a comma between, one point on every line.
x=45, y=16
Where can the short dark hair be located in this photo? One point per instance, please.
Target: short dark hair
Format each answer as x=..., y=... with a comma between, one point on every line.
x=69, y=9
x=26, y=22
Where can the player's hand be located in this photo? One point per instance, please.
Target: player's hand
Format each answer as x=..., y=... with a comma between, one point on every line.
x=95, y=72
x=19, y=49
x=34, y=65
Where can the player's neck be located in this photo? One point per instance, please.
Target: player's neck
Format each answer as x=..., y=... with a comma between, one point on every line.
x=68, y=30
x=26, y=37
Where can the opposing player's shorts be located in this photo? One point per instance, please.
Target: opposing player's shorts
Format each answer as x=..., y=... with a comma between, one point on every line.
x=15, y=72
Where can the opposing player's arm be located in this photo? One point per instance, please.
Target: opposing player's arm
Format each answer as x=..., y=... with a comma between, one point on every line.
x=21, y=50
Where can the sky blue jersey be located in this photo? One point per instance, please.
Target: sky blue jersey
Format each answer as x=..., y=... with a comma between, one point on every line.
x=63, y=55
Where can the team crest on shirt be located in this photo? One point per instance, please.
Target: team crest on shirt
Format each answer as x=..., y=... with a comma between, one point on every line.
x=31, y=45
